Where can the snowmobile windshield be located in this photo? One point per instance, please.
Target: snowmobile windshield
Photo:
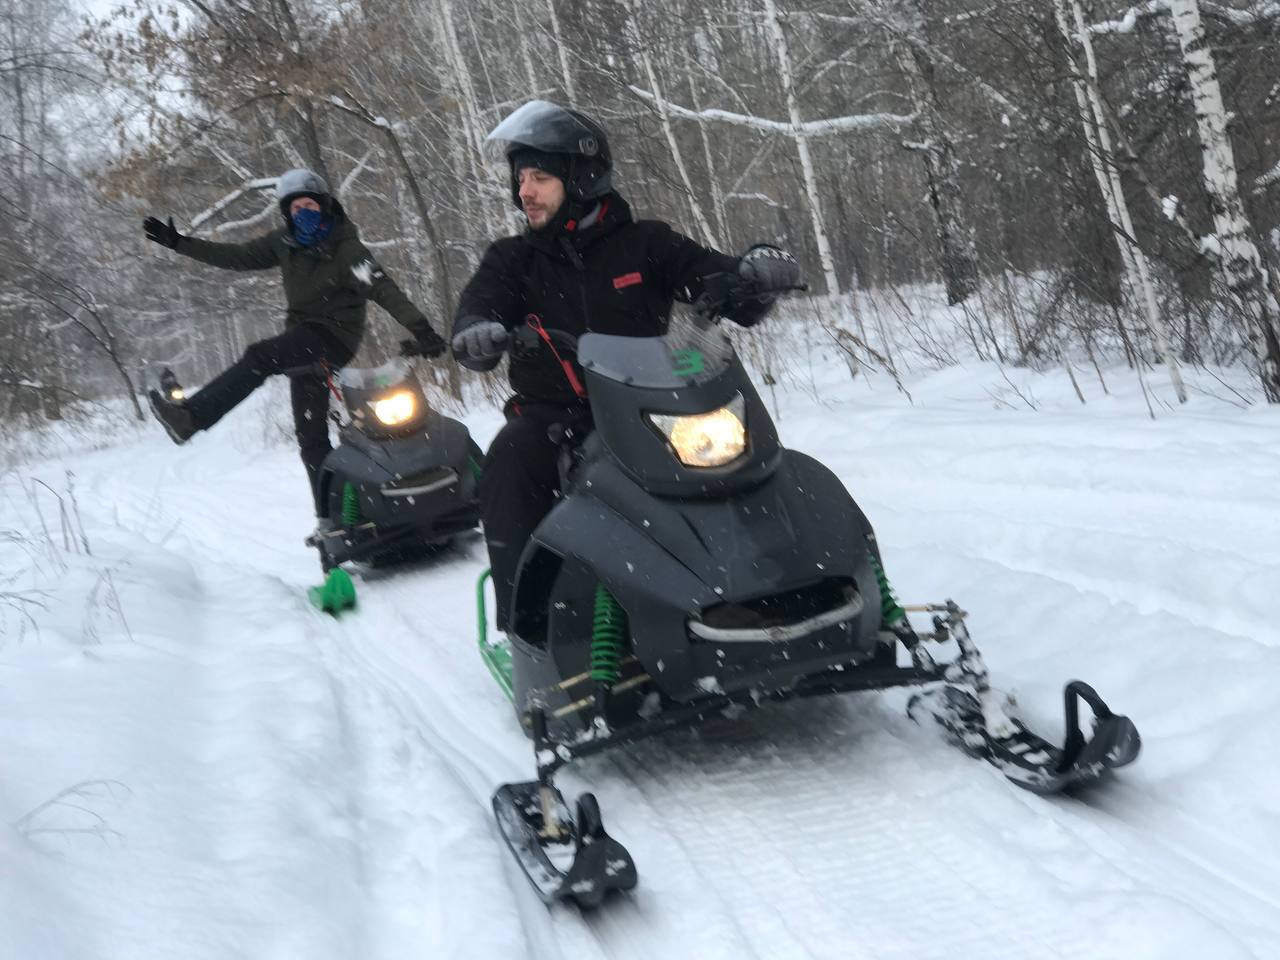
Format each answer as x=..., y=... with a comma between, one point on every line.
x=383, y=399
x=688, y=354
x=390, y=375
x=542, y=126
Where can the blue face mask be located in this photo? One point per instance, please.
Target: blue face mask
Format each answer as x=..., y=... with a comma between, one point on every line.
x=311, y=227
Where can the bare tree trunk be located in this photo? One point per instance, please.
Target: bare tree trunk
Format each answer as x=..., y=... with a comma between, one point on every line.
x=311, y=138
x=1241, y=264
x=695, y=206
x=958, y=258
x=802, y=147
x=415, y=189
x=717, y=195
x=1102, y=157
x=565, y=74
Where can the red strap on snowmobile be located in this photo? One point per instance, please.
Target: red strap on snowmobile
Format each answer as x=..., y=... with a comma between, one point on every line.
x=328, y=379
x=535, y=321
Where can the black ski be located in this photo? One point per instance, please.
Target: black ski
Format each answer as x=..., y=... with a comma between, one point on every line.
x=564, y=857
x=1025, y=758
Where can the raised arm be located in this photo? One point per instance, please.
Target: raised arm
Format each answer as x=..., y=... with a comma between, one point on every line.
x=260, y=253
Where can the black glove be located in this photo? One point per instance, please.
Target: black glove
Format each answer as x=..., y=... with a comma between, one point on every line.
x=768, y=270
x=162, y=233
x=426, y=343
x=480, y=344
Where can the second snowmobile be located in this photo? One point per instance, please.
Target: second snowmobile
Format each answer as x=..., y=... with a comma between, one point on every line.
x=403, y=475
x=695, y=566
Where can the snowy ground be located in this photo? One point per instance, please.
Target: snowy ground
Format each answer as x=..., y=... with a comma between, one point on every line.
x=195, y=764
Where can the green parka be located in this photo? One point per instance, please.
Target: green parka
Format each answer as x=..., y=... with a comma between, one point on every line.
x=327, y=283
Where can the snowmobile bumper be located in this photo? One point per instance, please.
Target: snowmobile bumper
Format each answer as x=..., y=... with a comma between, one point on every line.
x=368, y=539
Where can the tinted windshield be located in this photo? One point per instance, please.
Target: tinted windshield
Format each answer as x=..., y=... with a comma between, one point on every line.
x=686, y=355
x=390, y=374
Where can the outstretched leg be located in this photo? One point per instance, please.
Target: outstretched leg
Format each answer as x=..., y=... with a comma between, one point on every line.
x=297, y=348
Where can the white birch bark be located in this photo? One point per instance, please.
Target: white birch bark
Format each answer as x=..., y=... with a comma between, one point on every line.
x=473, y=133
x=695, y=206
x=717, y=195
x=565, y=73
x=1241, y=264
x=802, y=147
x=1102, y=156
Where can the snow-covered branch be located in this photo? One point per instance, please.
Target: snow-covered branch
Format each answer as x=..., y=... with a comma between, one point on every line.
x=258, y=183
x=1268, y=178
x=857, y=123
x=931, y=50
x=358, y=169
x=1128, y=20
x=270, y=210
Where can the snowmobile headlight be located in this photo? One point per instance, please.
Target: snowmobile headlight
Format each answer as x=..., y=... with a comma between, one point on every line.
x=177, y=393
x=395, y=408
x=709, y=439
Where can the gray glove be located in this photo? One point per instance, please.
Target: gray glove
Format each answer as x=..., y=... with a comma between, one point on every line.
x=768, y=270
x=480, y=344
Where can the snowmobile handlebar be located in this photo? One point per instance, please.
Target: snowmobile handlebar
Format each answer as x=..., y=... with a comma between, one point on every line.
x=529, y=338
x=720, y=291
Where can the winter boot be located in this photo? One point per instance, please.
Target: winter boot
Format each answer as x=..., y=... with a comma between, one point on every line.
x=175, y=417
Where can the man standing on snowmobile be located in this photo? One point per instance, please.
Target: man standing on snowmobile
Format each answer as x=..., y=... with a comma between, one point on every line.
x=328, y=276
x=582, y=264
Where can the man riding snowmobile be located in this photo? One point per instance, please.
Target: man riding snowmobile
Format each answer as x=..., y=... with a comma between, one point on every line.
x=693, y=567
x=584, y=264
x=328, y=276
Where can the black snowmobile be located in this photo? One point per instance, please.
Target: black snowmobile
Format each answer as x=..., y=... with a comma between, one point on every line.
x=694, y=566
x=403, y=476
x=402, y=479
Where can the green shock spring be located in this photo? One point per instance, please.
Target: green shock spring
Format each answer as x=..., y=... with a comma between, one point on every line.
x=350, y=505
x=608, y=637
x=890, y=611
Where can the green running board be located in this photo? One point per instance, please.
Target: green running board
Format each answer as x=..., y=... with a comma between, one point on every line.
x=336, y=594
x=496, y=656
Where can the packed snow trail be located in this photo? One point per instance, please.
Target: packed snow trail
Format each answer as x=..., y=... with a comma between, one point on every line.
x=262, y=780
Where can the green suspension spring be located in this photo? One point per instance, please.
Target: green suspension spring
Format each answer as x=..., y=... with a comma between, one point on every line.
x=350, y=505
x=890, y=611
x=608, y=637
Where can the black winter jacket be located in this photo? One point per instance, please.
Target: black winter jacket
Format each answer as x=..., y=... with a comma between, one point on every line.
x=618, y=276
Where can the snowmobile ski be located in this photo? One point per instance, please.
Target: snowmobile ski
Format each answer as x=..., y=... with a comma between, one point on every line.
x=1025, y=758
x=564, y=857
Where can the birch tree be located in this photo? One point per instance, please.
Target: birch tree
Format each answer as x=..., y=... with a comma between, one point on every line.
x=1242, y=266
x=1103, y=159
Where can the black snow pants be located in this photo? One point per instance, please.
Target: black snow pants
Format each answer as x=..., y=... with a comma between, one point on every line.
x=295, y=352
x=520, y=485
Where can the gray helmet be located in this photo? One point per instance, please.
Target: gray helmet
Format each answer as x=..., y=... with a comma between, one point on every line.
x=549, y=129
x=302, y=183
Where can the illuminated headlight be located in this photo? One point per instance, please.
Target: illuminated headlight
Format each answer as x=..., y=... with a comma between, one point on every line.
x=177, y=393
x=706, y=439
x=394, y=409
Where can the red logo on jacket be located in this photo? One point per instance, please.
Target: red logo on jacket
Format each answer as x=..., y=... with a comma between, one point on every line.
x=627, y=280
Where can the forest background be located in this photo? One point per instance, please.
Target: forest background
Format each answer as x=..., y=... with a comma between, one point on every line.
x=1035, y=182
